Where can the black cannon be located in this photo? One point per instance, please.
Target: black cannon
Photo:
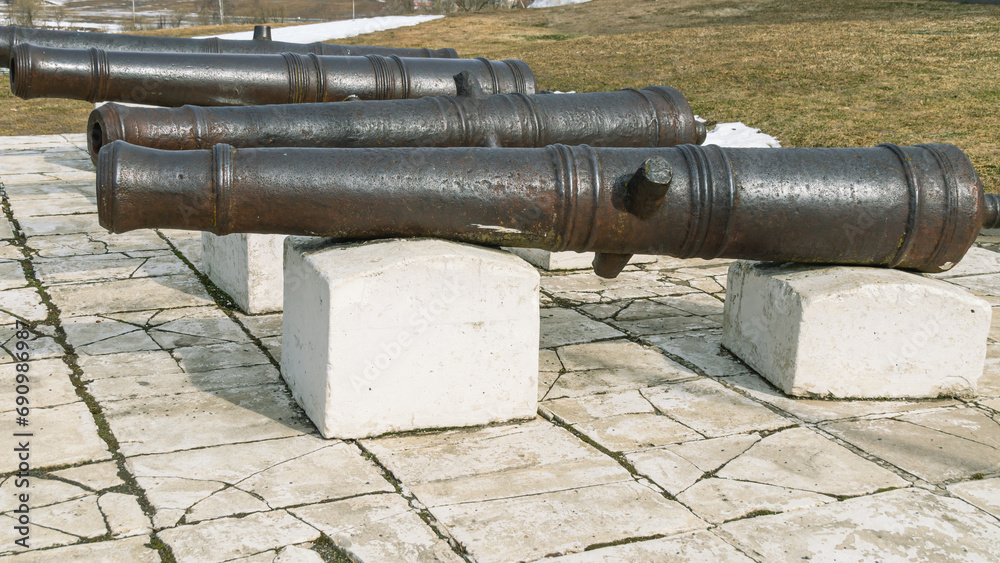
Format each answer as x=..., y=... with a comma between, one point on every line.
x=917, y=207
x=991, y=218
x=12, y=36
x=657, y=116
x=206, y=79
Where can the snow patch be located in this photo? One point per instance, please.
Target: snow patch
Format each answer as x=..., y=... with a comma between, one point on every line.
x=310, y=33
x=739, y=135
x=554, y=3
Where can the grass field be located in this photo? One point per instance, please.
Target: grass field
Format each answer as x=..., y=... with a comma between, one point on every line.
x=810, y=72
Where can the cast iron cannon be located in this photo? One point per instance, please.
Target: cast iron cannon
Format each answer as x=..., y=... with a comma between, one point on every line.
x=656, y=116
x=917, y=207
x=991, y=218
x=206, y=79
x=12, y=36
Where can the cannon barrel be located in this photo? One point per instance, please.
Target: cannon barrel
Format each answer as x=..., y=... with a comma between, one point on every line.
x=656, y=116
x=12, y=36
x=206, y=79
x=917, y=207
x=992, y=215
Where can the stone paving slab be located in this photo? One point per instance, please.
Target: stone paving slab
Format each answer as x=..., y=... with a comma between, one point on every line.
x=67, y=511
x=602, y=367
x=653, y=444
x=563, y=521
x=819, y=410
x=50, y=383
x=984, y=494
x=158, y=385
x=380, y=527
x=563, y=326
x=132, y=550
x=228, y=538
x=62, y=435
x=701, y=349
x=934, y=454
x=904, y=525
x=178, y=422
x=71, y=203
x=252, y=477
x=129, y=295
x=711, y=409
x=698, y=547
x=799, y=458
x=723, y=500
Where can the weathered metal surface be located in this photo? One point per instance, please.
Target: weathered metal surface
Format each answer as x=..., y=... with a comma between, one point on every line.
x=992, y=215
x=172, y=79
x=917, y=207
x=651, y=117
x=263, y=33
x=12, y=36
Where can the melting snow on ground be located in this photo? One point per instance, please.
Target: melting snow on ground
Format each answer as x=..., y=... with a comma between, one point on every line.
x=332, y=30
x=739, y=135
x=554, y=3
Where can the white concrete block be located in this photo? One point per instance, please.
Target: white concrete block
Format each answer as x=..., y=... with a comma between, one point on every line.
x=854, y=331
x=247, y=267
x=569, y=260
x=397, y=335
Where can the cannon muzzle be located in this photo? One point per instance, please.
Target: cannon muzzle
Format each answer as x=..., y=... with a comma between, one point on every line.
x=917, y=207
x=205, y=79
x=12, y=36
x=991, y=216
x=657, y=116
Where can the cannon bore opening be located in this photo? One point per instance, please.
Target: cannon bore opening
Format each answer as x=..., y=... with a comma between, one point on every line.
x=96, y=137
x=14, y=72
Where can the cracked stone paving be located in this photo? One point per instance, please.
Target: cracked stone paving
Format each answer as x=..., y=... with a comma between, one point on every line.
x=162, y=430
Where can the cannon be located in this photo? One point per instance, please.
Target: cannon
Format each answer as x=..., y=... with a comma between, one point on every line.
x=991, y=218
x=12, y=36
x=207, y=79
x=652, y=117
x=917, y=207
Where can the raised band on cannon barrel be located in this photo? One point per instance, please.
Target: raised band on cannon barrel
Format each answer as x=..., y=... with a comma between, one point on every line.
x=918, y=207
x=12, y=36
x=657, y=116
x=172, y=79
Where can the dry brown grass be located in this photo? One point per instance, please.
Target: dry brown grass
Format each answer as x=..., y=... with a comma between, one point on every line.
x=810, y=72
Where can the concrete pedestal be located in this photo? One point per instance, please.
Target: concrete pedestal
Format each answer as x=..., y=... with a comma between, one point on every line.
x=247, y=267
x=398, y=335
x=565, y=260
x=853, y=332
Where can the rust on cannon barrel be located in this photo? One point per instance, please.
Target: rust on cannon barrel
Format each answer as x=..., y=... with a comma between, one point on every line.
x=917, y=207
x=656, y=116
x=12, y=36
x=205, y=79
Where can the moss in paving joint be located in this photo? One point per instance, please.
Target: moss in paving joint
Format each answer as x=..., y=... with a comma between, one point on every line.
x=753, y=514
x=330, y=552
x=623, y=541
x=76, y=373
x=438, y=430
x=166, y=554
